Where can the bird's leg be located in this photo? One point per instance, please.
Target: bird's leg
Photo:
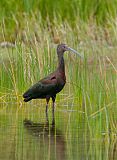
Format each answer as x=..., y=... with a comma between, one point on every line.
x=53, y=105
x=47, y=121
x=47, y=101
x=53, y=120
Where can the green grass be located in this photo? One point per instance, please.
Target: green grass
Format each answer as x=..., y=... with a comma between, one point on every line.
x=12, y=17
x=91, y=83
x=89, y=28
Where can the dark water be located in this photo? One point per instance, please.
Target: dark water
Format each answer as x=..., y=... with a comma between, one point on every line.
x=26, y=133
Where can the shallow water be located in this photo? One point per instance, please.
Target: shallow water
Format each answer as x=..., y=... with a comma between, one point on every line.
x=26, y=133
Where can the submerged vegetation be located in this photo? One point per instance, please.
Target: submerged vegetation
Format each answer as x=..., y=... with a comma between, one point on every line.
x=89, y=27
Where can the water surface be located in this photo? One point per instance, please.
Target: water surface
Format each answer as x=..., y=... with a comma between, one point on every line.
x=27, y=133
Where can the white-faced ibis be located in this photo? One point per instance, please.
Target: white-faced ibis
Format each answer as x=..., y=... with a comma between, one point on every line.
x=49, y=86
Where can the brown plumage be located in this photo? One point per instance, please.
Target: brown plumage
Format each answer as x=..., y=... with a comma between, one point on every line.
x=52, y=84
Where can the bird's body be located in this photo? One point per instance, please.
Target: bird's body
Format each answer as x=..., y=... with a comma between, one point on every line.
x=49, y=86
x=46, y=87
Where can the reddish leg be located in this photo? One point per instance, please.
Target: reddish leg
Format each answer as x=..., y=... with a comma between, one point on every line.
x=47, y=101
x=53, y=105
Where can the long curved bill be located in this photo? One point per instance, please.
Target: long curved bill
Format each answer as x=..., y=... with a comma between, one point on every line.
x=74, y=51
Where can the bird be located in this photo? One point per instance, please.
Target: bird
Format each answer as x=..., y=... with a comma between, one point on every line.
x=52, y=84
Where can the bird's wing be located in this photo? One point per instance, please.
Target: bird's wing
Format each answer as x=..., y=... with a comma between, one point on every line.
x=44, y=87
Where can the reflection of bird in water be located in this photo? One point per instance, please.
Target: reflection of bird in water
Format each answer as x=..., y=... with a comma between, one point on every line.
x=53, y=139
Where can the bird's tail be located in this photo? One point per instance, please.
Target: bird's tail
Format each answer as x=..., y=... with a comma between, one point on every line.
x=27, y=96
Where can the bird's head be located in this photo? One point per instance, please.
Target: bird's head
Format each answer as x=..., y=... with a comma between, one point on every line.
x=61, y=48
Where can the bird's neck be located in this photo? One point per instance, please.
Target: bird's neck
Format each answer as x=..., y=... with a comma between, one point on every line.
x=61, y=65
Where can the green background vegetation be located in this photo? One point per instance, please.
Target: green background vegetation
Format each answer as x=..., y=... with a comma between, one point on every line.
x=89, y=27
x=52, y=13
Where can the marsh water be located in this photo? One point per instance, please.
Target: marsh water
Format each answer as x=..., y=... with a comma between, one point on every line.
x=27, y=133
